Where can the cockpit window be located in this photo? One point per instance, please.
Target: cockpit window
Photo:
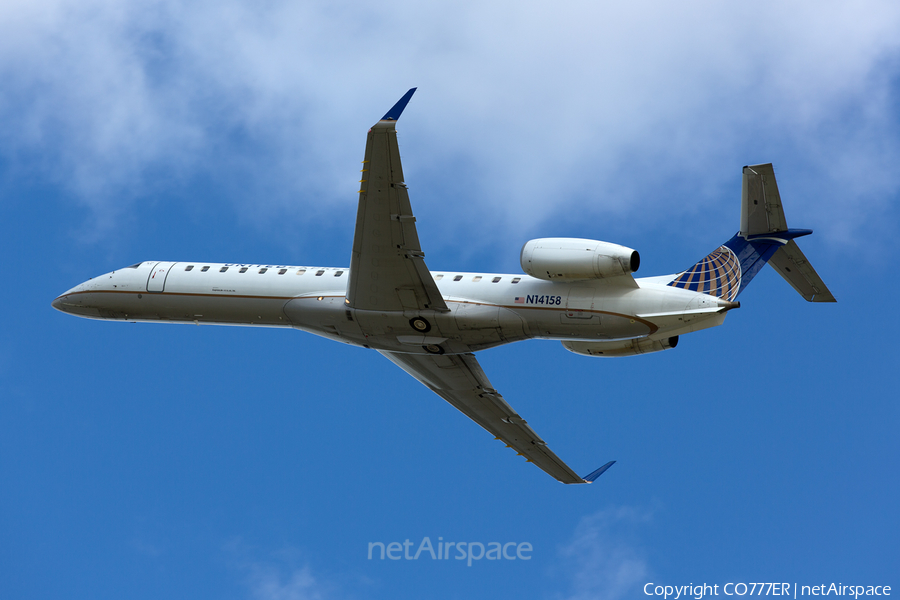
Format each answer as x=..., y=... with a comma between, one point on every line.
x=135, y=265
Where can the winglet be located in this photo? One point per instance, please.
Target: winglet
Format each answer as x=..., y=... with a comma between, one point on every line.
x=394, y=113
x=589, y=478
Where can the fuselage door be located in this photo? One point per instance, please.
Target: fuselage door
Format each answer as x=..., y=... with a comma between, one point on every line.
x=580, y=302
x=157, y=280
x=580, y=311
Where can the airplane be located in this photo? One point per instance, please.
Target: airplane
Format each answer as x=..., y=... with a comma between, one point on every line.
x=430, y=324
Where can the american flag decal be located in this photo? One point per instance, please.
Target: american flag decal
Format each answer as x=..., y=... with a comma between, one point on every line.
x=520, y=300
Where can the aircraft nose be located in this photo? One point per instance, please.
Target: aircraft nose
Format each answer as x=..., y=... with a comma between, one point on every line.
x=65, y=304
x=71, y=301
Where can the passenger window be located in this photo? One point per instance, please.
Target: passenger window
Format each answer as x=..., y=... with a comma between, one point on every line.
x=282, y=271
x=189, y=268
x=438, y=277
x=301, y=271
x=223, y=269
x=495, y=280
x=263, y=270
x=339, y=273
x=243, y=269
x=204, y=269
x=457, y=278
x=319, y=272
x=476, y=278
x=516, y=279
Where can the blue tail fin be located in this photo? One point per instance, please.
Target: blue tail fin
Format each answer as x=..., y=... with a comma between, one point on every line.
x=764, y=236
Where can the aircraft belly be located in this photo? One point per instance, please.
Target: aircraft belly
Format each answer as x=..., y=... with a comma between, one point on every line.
x=588, y=325
x=395, y=331
x=326, y=316
x=475, y=315
x=622, y=326
x=467, y=327
x=482, y=325
x=209, y=309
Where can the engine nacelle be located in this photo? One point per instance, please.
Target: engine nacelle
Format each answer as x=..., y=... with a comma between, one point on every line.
x=572, y=259
x=622, y=347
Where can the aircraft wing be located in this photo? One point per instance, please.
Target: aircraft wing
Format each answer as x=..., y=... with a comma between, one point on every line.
x=459, y=379
x=387, y=267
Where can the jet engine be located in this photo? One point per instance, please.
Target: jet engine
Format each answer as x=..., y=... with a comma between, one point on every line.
x=572, y=259
x=622, y=347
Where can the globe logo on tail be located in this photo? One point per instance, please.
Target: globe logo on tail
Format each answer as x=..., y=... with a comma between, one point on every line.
x=719, y=274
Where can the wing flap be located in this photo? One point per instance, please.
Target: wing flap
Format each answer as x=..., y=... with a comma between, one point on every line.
x=461, y=381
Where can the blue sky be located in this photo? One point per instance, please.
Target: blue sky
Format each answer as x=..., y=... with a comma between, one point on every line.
x=149, y=461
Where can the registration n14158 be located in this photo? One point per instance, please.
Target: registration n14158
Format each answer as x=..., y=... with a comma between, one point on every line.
x=549, y=300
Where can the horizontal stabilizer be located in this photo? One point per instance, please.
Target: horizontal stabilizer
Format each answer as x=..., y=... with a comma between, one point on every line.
x=796, y=270
x=594, y=475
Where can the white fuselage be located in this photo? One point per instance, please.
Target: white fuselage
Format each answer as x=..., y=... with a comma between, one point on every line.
x=486, y=309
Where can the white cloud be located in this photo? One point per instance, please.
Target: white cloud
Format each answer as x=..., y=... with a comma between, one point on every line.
x=282, y=575
x=267, y=583
x=602, y=560
x=529, y=111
